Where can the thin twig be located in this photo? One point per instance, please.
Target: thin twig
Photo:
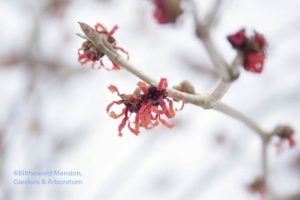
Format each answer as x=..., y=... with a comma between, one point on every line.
x=225, y=71
x=211, y=18
x=221, y=107
x=224, y=86
x=265, y=168
x=228, y=74
x=265, y=161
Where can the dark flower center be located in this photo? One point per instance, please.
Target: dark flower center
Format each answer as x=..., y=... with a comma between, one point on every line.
x=153, y=95
x=133, y=105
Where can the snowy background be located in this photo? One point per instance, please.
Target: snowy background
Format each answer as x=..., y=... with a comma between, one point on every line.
x=53, y=114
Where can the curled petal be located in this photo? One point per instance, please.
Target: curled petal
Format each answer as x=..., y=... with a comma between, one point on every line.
x=123, y=123
x=163, y=84
x=168, y=112
x=122, y=50
x=165, y=123
x=143, y=87
x=171, y=110
x=83, y=60
x=113, y=30
x=132, y=130
x=157, y=111
x=154, y=118
x=147, y=118
x=163, y=106
x=112, y=114
x=137, y=122
x=156, y=123
x=113, y=89
x=135, y=130
x=182, y=101
x=82, y=57
x=141, y=114
x=145, y=115
x=102, y=27
x=112, y=103
x=85, y=57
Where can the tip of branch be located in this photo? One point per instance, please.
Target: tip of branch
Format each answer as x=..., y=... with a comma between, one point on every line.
x=82, y=25
x=86, y=28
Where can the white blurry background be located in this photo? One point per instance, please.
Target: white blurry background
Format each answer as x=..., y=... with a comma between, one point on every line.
x=53, y=114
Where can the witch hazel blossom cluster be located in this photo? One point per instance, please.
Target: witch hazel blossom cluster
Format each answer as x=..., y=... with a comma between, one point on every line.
x=252, y=49
x=89, y=53
x=147, y=106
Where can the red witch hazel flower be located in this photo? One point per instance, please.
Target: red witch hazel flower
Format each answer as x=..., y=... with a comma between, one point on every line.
x=252, y=49
x=148, y=104
x=238, y=40
x=286, y=136
x=89, y=53
x=167, y=11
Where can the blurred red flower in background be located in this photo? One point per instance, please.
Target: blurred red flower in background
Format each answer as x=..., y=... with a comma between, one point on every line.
x=167, y=11
x=252, y=49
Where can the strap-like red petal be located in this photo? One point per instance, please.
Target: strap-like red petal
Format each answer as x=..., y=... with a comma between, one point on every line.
x=143, y=87
x=165, y=123
x=113, y=89
x=112, y=103
x=113, y=30
x=123, y=123
x=101, y=26
x=163, y=84
x=112, y=114
x=122, y=50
